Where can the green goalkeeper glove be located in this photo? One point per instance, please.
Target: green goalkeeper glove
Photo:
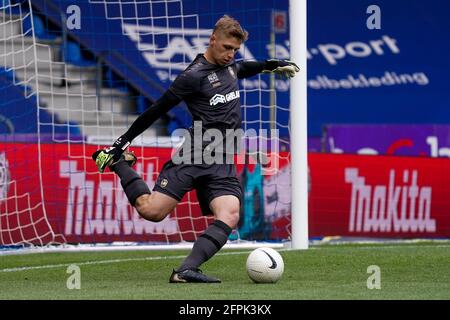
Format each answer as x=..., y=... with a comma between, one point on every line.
x=281, y=67
x=107, y=157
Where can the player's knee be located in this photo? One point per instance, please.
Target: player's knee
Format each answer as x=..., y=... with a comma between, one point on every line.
x=230, y=217
x=148, y=210
x=151, y=214
x=234, y=218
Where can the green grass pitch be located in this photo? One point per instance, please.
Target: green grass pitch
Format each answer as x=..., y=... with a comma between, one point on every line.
x=407, y=271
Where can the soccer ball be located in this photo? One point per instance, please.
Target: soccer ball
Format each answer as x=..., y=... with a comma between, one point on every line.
x=265, y=265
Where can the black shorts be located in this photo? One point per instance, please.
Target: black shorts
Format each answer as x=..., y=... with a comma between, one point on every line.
x=209, y=180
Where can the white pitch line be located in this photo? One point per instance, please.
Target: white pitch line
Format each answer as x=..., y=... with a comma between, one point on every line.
x=52, y=266
x=63, y=265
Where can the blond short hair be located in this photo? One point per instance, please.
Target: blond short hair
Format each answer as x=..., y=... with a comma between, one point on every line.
x=231, y=28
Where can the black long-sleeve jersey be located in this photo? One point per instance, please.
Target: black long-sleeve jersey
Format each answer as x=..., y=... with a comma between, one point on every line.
x=210, y=91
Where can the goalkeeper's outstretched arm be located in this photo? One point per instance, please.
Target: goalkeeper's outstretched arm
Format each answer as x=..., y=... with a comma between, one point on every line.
x=167, y=101
x=285, y=68
x=104, y=158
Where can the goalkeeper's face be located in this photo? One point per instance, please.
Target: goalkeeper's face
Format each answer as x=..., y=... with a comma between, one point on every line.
x=223, y=48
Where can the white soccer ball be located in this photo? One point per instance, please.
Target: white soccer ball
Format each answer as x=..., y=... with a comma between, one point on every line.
x=265, y=265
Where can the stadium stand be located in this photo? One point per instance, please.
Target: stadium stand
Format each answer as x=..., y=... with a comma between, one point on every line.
x=74, y=85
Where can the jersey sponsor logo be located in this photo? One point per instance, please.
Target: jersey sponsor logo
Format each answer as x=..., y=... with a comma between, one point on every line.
x=220, y=98
x=214, y=80
x=164, y=183
x=232, y=95
x=213, y=77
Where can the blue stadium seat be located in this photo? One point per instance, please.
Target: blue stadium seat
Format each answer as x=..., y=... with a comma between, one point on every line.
x=142, y=104
x=20, y=115
x=112, y=80
x=7, y=73
x=15, y=7
x=40, y=30
x=74, y=129
x=179, y=117
x=73, y=54
x=10, y=76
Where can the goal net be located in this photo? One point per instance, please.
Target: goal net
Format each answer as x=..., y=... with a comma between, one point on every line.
x=74, y=77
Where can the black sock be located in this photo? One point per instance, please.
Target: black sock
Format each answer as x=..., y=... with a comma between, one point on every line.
x=207, y=245
x=131, y=182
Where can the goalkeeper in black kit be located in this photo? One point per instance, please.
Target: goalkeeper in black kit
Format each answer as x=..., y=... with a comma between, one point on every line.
x=209, y=87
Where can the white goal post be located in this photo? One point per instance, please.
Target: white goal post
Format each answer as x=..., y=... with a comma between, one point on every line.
x=298, y=122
